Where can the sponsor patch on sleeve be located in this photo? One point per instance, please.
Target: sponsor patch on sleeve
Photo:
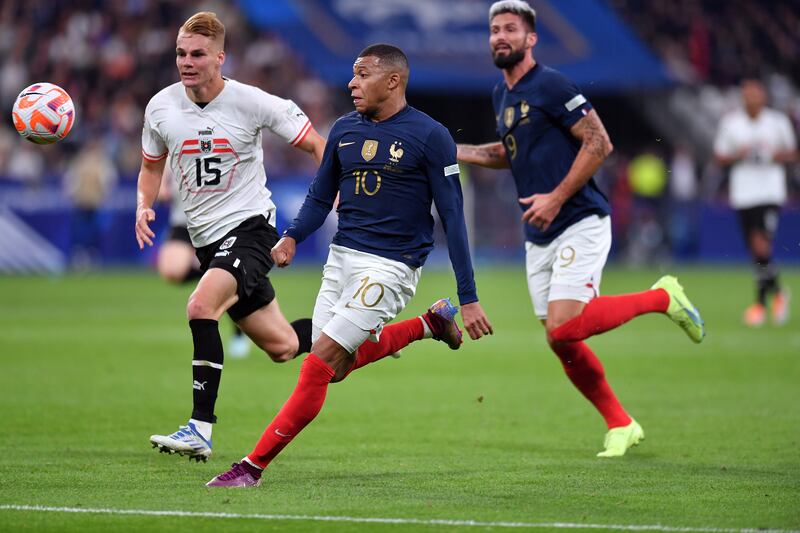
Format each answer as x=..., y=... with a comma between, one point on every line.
x=575, y=102
x=294, y=110
x=452, y=169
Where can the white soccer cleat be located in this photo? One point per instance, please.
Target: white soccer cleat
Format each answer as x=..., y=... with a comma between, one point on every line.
x=186, y=441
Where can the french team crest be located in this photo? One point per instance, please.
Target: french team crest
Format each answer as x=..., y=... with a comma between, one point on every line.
x=369, y=149
x=205, y=145
x=524, y=107
x=395, y=152
x=508, y=116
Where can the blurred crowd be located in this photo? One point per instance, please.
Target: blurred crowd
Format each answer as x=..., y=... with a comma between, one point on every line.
x=708, y=46
x=718, y=41
x=112, y=57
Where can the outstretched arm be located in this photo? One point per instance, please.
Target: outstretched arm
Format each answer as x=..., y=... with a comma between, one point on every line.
x=446, y=188
x=318, y=203
x=284, y=250
x=146, y=194
x=314, y=144
x=595, y=148
x=491, y=155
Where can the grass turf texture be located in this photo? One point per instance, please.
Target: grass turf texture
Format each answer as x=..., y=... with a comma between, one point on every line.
x=91, y=366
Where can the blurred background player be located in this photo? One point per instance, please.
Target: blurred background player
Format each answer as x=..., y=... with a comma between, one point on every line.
x=554, y=142
x=387, y=162
x=88, y=180
x=757, y=143
x=177, y=261
x=209, y=128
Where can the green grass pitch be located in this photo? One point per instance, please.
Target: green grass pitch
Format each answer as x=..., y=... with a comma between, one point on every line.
x=92, y=365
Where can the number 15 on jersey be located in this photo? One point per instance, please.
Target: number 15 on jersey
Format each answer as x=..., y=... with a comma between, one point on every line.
x=207, y=173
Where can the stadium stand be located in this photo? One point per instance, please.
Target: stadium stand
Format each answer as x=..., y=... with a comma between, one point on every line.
x=113, y=56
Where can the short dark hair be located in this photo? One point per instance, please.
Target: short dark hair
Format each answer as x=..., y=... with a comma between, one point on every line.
x=517, y=7
x=387, y=54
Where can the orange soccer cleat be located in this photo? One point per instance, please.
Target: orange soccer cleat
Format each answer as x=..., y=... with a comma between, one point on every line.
x=755, y=315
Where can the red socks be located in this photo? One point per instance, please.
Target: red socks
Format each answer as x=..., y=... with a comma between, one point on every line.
x=301, y=408
x=586, y=372
x=582, y=366
x=306, y=401
x=608, y=312
x=393, y=337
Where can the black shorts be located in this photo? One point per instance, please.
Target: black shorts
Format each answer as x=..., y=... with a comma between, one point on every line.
x=244, y=252
x=179, y=233
x=761, y=218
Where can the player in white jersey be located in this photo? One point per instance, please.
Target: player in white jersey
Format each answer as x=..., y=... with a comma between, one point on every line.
x=177, y=261
x=756, y=142
x=208, y=128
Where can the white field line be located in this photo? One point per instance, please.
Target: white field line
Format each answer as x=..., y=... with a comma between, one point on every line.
x=410, y=521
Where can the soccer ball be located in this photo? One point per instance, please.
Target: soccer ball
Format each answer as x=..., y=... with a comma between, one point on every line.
x=43, y=113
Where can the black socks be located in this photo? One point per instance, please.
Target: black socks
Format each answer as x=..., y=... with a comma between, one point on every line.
x=766, y=279
x=206, y=367
x=302, y=327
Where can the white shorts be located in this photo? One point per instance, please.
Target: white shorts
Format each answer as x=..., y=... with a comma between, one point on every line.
x=360, y=293
x=571, y=266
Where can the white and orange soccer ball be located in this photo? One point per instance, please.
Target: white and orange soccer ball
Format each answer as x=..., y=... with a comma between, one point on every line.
x=43, y=113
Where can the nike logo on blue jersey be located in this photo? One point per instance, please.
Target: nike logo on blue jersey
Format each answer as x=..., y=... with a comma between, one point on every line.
x=343, y=144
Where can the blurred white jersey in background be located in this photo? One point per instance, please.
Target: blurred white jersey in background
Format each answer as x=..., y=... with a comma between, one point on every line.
x=757, y=179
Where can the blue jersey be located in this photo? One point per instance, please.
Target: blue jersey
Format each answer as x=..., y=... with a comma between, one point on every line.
x=533, y=121
x=387, y=174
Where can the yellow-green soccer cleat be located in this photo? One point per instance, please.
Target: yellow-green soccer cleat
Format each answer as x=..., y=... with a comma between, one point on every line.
x=681, y=310
x=618, y=440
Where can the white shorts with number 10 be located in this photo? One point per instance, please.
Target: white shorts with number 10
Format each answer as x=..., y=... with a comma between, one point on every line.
x=571, y=266
x=360, y=293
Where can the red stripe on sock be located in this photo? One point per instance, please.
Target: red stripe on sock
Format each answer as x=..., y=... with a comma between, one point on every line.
x=586, y=372
x=608, y=312
x=301, y=408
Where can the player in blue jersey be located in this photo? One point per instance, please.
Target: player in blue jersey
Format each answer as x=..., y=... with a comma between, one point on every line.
x=553, y=141
x=388, y=163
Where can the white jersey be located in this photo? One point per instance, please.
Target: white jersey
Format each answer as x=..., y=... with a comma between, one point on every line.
x=756, y=180
x=177, y=213
x=215, y=152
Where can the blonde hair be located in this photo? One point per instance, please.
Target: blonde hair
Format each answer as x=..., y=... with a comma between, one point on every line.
x=205, y=23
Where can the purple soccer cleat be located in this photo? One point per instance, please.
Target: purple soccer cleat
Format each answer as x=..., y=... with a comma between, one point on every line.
x=240, y=475
x=441, y=318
